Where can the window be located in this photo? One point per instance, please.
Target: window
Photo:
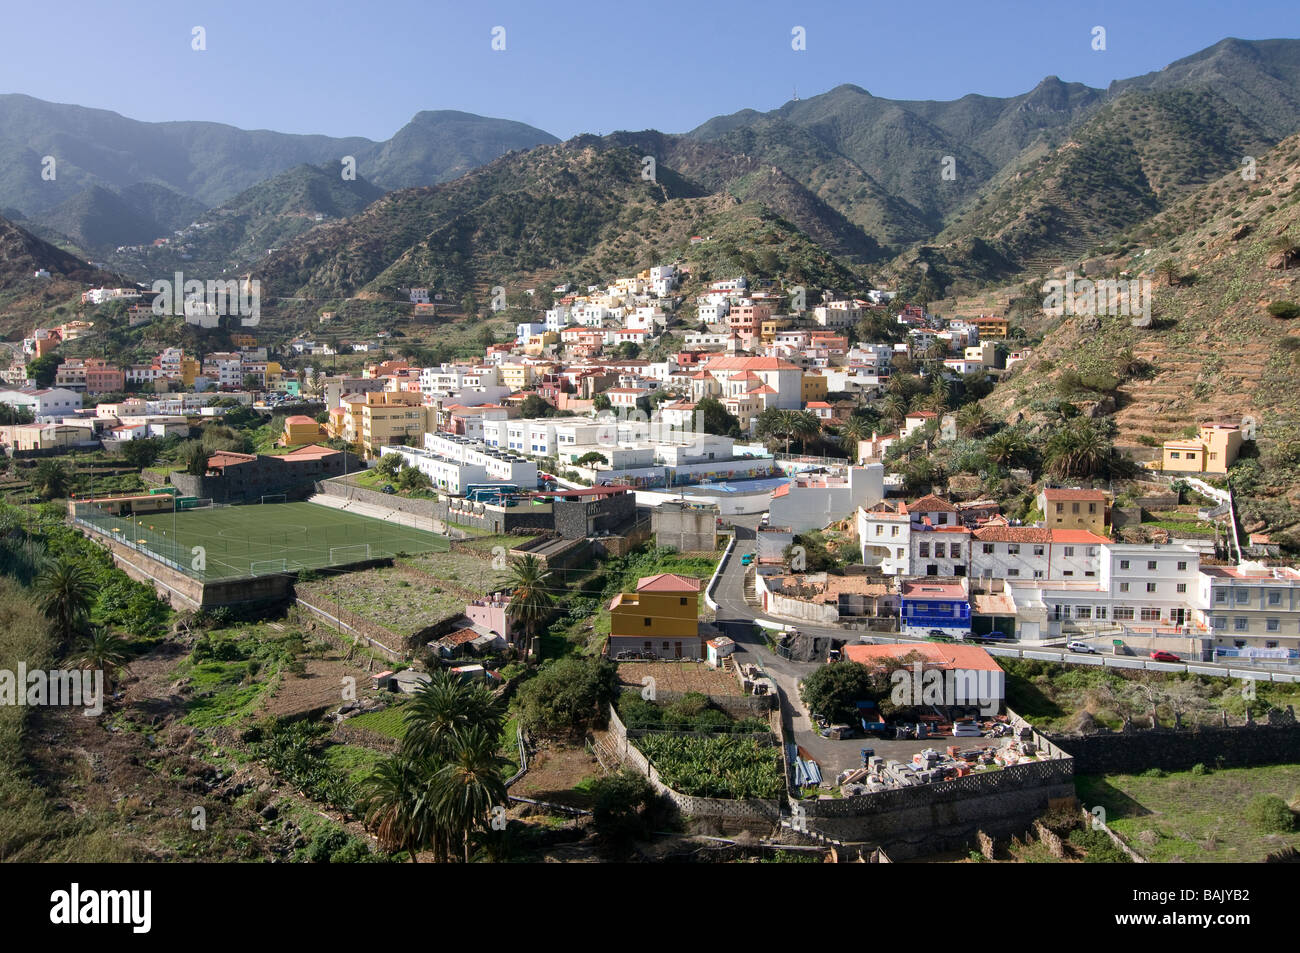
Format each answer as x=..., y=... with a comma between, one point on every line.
x=1240, y=623
x=987, y=548
x=1038, y=574
x=1013, y=549
x=1013, y=572
x=939, y=550
x=647, y=647
x=1123, y=564
x=1069, y=550
x=1083, y=612
x=1151, y=587
x=1123, y=587
x=1068, y=572
x=1092, y=508
x=645, y=622
x=1089, y=572
x=1151, y=564
x=1174, y=455
x=665, y=646
x=1150, y=615
x=1220, y=595
x=1219, y=622
x=1123, y=614
x=1101, y=612
x=1275, y=598
x=1272, y=625
x=923, y=549
x=1038, y=550
x=1241, y=595
x=1182, y=566
x=1239, y=643
x=880, y=530
x=1181, y=587
x=683, y=602
x=894, y=531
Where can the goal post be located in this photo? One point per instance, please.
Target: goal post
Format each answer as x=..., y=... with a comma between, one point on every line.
x=349, y=554
x=264, y=566
x=275, y=498
x=199, y=504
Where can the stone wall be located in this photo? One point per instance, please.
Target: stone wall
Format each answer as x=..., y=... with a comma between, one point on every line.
x=1234, y=746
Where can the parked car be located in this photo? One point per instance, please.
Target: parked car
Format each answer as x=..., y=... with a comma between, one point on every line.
x=1160, y=655
x=389, y=488
x=966, y=729
x=746, y=559
x=1081, y=647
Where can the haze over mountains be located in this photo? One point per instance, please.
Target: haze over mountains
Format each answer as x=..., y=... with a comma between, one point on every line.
x=1036, y=177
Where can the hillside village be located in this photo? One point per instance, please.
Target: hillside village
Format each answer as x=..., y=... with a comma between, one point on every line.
x=689, y=521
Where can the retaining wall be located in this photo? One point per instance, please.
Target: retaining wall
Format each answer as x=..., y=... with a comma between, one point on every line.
x=1178, y=749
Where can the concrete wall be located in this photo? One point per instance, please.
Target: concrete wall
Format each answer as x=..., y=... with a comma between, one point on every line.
x=186, y=592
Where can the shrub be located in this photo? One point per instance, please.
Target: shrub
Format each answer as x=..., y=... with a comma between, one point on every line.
x=622, y=803
x=1269, y=813
x=1284, y=309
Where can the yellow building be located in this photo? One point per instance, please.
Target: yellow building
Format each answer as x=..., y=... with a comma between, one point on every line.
x=537, y=343
x=382, y=418
x=992, y=328
x=394, y=417
x=660, y=619
x=1212, y=450
x=517, y=376
x=189, y=369
x=239, y=339
x=1074, y=509
x=301, y=429
x=814, y=387
x=769, y=327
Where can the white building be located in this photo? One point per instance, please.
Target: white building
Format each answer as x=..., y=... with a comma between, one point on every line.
x=1251, y=610
x=43, y=402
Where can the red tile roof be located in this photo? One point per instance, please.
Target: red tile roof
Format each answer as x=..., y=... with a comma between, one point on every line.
x=667, y=582
x=945, y=656
x=1090, y=496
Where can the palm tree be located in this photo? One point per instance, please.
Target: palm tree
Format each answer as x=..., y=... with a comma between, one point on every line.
x=775, y=424
x=441, y=709
x=973, y=420
x=531, y=596
x=469, y=785
x=804, y=424
x=894, y=409
x=1079, y=449
x=397, y=806
x=65, y=593
x=105, y=651
x=1005, y=447
x=1128, y=364
x=51, y=479
x=853, y=430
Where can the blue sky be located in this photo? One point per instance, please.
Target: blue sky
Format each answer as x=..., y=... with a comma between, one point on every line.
x=364, y=68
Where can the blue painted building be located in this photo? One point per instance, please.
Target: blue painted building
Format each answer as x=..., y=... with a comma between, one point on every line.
x=932, y=606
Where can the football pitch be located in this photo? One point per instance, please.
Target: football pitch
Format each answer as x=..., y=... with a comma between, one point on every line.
x=259, y=539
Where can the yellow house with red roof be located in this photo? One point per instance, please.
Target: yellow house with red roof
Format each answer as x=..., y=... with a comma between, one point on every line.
x=660, y=619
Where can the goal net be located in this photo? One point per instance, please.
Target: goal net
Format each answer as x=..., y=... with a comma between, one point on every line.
x=200, y=504
x=264, y=566
x=275, y=498
x=349, y=554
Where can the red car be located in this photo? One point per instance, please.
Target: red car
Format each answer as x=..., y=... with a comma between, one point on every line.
x=1161, y=656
